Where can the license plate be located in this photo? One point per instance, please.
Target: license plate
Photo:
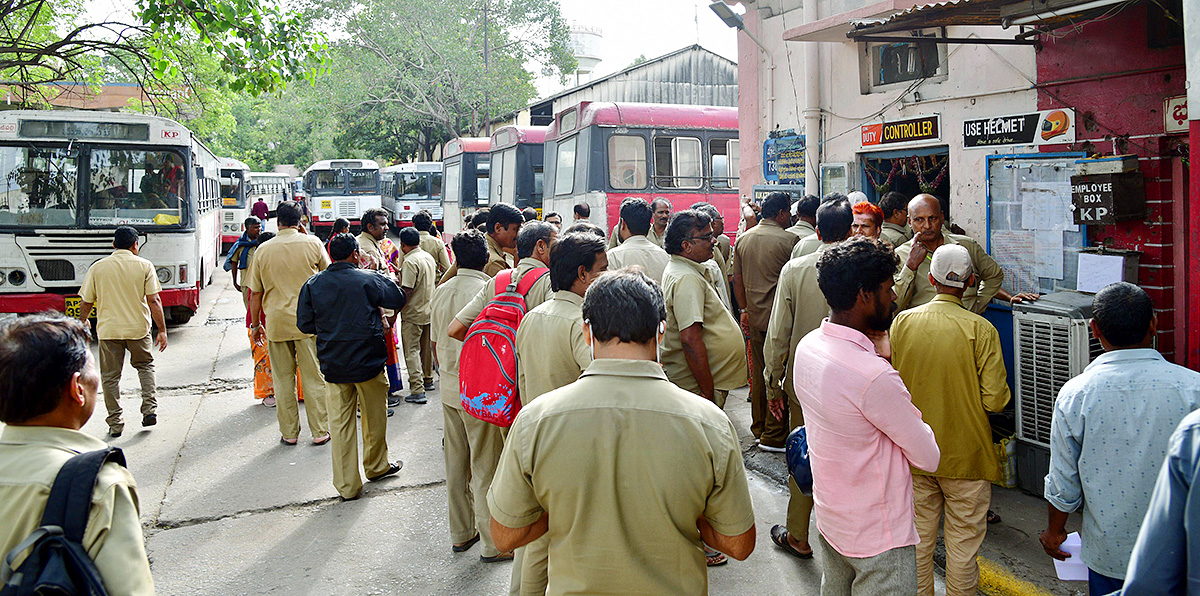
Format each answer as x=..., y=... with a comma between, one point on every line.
x=72, y=307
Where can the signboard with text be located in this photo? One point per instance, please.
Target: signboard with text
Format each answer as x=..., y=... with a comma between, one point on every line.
x=901, y=131
x=1047, y=127
x=1175, y=114
x=783, y=160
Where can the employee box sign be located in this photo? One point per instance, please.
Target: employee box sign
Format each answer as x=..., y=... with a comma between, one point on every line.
x=1108, y=198
x=901, y=131
x=1047, y=127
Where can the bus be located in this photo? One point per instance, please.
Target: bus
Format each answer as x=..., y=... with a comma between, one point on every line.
x=602, y=153
x=234, y=207
x=274, y=188
x=71, y=177
x=516, y=171
x=341, y=188
x=411, y=187
x=466, y=167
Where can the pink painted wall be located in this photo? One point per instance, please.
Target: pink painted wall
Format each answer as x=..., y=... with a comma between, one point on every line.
x=749, y=114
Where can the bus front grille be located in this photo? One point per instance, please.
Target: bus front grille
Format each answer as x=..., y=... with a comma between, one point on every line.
x=56, y=269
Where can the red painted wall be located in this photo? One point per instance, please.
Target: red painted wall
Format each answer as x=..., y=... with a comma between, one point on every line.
x=1116, y=83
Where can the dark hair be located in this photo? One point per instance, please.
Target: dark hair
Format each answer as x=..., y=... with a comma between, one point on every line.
x=585, y=227
x=532, y=233
x=529, y=213
x=807, y=206
x=774, y=203
x=834, y=220
x=251, y=221
x=470, y=249
x=834, y=196
x=369, y=216
x=859, y=263
x=342, y=246
x=263, y=237
x=892, y=202
x=572, y=251
x=287, y=214
x=637, y=215
x=125, y=237
x=422, y=220
x=658, y=200
x=341, y=224
x=551, y=214
x=626, y=305
x=503, y=214
x=1123, y=313
x=410, y=237
x=708, y=209
x=681, y=227
x=39, y=354
x=583, y=210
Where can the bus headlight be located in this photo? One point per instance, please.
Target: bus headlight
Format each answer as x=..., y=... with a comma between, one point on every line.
x=16, y=277
x=164, y=274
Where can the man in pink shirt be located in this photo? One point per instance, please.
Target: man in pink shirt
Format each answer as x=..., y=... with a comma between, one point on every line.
x=863, y=431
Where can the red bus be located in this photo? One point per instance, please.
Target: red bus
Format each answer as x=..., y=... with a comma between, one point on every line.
x=517, y=166
x=465, y=169
x=602, y=153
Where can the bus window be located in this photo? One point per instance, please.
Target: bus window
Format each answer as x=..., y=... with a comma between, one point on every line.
x=387, y=185
x=364, y=182
x=508, y=188
x=481, y=181
x=327, y=182
x=564, y=175
x=677, y=162
x=435, y=184
x=136, y=187
x=39, y=187
x=454, y=184
x=627, y=162
x=231, y=189
x=539, y=181
x=725, y=159
x=415, y=185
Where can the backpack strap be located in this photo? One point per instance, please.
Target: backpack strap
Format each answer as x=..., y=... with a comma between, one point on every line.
x=531, y=278
x=503, y=280
x=71, y=495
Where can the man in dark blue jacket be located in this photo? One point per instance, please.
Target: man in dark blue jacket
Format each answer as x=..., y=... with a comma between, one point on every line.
x=341, y=306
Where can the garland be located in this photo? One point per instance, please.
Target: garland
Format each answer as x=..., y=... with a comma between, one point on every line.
x=911, y=166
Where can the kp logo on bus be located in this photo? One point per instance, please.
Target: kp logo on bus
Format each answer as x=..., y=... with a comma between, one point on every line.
x=171, y=134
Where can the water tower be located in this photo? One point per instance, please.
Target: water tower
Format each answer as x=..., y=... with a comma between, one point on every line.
x=585, y=45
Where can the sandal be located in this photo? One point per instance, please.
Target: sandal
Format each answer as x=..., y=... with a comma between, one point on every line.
x=779, y=535
x=321, y=440
x=466, y=546
x=287, y=441
x=713, y=558
x=500, y=558
x=993, y=517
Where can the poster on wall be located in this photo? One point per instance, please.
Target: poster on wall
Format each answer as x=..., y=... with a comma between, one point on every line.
x=923, y=128
x=1047, y=127
x=1175, y=114
x=783, y=159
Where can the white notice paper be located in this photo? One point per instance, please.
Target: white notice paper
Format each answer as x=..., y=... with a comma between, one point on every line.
x=1048, y=247
x=1097, y=271
x=1073, y=569
x=1046, y=206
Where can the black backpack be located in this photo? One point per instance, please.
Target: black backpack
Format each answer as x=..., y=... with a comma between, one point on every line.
x=58, y=564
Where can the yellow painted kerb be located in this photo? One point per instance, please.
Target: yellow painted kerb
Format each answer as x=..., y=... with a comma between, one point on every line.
x=995, y=580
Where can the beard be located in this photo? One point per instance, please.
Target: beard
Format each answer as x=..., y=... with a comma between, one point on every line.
x=882, y=321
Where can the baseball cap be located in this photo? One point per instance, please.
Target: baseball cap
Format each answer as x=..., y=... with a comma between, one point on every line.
x=951, y=265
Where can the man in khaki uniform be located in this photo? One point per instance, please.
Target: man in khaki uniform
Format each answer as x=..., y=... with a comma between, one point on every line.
x=125, y=289
x=614, y=423
x=279, y=270
x=472, y=446
x=552, y=353
x=798, y=309
x=503, y=223
x=533, y=246
x=806, y=216
x=720, y=259
x=895, y=230
x=760, y=255
x=423, y=222
x=661, y=210
x=636, y=218
x=418, y=278
x=43, y=406
x=702, y=350
x=912, y=289
x=374, y=230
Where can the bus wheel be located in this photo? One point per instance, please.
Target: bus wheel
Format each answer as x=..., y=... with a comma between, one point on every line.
x=180, y=315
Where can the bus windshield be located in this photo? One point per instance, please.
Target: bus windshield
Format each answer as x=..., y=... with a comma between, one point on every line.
x=364, y=182
x=233, y=192
x=333, y=182
x=39, y=186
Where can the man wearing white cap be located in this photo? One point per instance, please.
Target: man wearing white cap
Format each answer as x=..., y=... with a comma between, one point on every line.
x=950, y=360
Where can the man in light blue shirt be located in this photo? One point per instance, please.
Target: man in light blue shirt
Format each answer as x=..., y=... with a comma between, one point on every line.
x=1110, y=433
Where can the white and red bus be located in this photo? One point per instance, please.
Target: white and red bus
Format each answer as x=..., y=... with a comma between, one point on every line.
x=234, y=206
x=341, y=188
x=411, y=187
x=465, y=170
x=602, y=153
x=69, y=178
x=517, y=176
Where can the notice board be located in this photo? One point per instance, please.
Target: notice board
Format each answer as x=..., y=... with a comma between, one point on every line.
x=1031, y=227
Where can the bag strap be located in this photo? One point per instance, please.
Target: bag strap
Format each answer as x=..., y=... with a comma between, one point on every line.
x=531, y=278
x=71, y=495
x=503, y=280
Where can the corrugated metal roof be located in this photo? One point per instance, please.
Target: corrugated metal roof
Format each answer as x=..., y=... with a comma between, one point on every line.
x=958, y=12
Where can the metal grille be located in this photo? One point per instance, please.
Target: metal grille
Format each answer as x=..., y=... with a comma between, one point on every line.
x=55, y=269
x=347, y=209
x=1044, y=350
x=230, y=216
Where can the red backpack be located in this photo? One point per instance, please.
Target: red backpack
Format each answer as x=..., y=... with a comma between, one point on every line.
x=487, y=366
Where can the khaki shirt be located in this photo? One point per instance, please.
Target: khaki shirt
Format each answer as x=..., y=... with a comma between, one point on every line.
x=118, y=285
x=950, y=360
x=761, y=254
x=614, y=239
x=279, y=270
x=539, y=293
x=806, y=246
x=799, y=308
x=913, y=288
x=895, y=234
x=498, y=261
x=716, y=277
x=722, y=262
x=436, y=249
x=419, y=273
x=724, y=247
x=690, y=298
x=803, y=229
x=551, y=351
x=637, y=250
x=622, y=509
x=448, y=299
x=30, y=457
x=369, y=247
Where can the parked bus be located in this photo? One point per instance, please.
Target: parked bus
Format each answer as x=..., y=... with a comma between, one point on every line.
x=516, y=170
x=466, y=167
x=341, y=188
x=411, y=187
x=71, y=177
x=234, y=206
x=274, y=188
x=602, y=153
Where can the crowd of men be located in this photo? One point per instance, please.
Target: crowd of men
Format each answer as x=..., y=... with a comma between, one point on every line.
x=860, y=322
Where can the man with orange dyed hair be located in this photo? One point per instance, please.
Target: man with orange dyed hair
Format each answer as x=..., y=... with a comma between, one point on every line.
x=868, y=220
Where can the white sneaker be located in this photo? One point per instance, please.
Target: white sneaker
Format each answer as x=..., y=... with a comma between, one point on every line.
x=770, y=449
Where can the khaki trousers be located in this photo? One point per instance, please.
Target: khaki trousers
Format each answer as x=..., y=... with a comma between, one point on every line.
x=764, y=426
x=965, y=503
x=112, y=362
x=345, y=400
x=531, y=569
x=891, y=572
x=472, y=448
x=417, y=356
x=800, y=505
x=286, y=357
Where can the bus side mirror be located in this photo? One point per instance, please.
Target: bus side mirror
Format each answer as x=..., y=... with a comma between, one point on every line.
x=200, y=172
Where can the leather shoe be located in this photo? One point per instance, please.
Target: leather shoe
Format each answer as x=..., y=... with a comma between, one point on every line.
x=149, y=420
x=393, y=468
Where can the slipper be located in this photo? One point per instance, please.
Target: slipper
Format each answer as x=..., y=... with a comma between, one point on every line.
x=993, y=517
x=713, y=558
x=286, y=441
x=779, y=535
x=321, y=440
x=498, y=558
x=466, y=546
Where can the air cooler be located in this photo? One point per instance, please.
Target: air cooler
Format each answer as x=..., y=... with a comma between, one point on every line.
x=1051, y=344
